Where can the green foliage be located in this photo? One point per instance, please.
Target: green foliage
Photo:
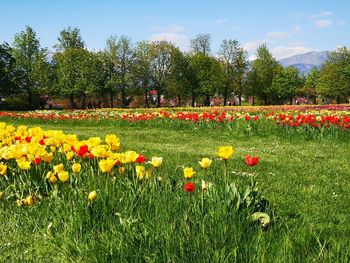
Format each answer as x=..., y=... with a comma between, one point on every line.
x=235, y=63
x=141, y=70
x=78, y=73
x=201, y=44
x=31, y=65
x=334, y=78
x=118, y=64
x=285, y=85
x=69, y=38
x=161, y=65
x=8, y=73
x=264, y=68
x=310, y=86
x=208, y=74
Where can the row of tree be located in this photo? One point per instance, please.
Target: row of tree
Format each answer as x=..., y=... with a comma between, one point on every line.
x=123, y=71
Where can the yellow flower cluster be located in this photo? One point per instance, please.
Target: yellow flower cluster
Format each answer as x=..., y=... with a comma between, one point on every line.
x=29, y=201
x=24, y=150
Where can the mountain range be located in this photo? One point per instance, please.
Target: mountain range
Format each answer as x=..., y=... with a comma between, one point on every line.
x=305, y=62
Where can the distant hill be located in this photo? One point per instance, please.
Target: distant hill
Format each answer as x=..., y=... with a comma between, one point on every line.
x=305, y=62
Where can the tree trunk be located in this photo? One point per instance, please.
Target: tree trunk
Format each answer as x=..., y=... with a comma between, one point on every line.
x=30, y=98
x=72, y=103
x=207, y=100
x=158, y=99
x=112, y=98
x=193, y=100
x=123, y=97
x=253, y=100
x=291, y=101
x=225, y=97
x=83, y=104
x=146, y=98
x=178, y=101
x=240, y=99
x=265, y=100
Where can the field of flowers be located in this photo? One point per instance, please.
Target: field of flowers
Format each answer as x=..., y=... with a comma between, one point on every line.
x=253, y=184
x=319, y=117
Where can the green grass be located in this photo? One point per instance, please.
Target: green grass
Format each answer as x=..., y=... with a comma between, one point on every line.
x=304, y=178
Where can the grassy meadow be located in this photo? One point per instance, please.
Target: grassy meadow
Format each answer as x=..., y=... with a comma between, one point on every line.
x=303, y=181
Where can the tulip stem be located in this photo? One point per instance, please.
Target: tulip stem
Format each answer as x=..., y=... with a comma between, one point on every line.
x=225, y=172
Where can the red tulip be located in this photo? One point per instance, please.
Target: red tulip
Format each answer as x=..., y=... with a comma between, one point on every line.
x=141, y=159
x=251, y=161
x=37, y=160
x=83, y=150
x=189, y=187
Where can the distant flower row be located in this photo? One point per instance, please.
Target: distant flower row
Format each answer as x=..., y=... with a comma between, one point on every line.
x=294, y=116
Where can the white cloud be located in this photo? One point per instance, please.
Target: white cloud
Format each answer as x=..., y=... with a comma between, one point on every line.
x=221, y=20
x=296, y=29
x=277, y=35
x=169, y=29
x=252, y=57
x=322, y=23
x=297, y=16
x=236, y=28
x=339, y=46
x=172, y=33
x=280, y=35
x=341, y=23
x=297, y=43
x=180, y=40
x=253, y=45
x=323, y=14
x=284, y=52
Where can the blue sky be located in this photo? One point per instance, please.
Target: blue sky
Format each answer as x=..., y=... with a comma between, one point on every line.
x=287, y=27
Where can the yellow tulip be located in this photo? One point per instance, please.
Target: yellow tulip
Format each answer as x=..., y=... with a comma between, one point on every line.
x=205, y=163
x=23, y=164
x=52, y=149
x=48, y=157
x=106, y=165
x=63, y=176
x=58, y=168
x=156, y=161
x=100, y=151
x=121, y=170
x=29, y=200
x=20, y=202
x=51, y=177
x=92, y=196
x=69, y=155
x=188, y=172
x=131, y=156
x=113, y=142
x=1, y=195
x=140, y=171
x=76, y=167
x=225, y=152
x=3, y=169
